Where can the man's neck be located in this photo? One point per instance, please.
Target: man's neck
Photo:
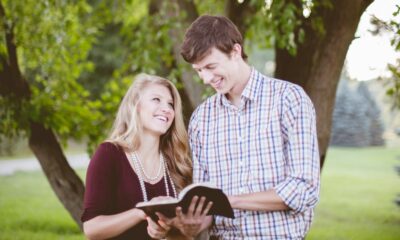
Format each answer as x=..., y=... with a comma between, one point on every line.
x=243, y=78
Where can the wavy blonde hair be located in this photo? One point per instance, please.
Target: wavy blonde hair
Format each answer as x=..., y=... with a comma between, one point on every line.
x=173, y=144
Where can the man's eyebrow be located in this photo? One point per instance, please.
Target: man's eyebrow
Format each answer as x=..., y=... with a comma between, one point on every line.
x=208, y=65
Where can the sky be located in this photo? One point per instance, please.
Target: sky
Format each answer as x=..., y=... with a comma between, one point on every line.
x=368, y=55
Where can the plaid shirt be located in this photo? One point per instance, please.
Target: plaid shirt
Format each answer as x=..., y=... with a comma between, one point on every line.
x=269, y=141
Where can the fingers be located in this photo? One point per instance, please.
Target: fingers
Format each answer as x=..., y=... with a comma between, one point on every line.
x=193, y=204
x=179, y=213
x=151, y=223
x=199, y=207
x=208, y=207
x=196, y=208
x=163, y=218
x=164, y=226
x=155, y=230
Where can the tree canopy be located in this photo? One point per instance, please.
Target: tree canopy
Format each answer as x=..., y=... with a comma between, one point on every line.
x=65, y=64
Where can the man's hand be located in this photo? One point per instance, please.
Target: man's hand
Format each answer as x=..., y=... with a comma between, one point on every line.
x=195, y=220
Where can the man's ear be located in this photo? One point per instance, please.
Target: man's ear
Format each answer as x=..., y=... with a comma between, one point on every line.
x=236, y=51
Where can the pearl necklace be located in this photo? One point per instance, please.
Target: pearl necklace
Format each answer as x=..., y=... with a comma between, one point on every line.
x=136, y=167
x=157, y=176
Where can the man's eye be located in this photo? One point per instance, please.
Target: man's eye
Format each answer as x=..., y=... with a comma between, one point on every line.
x=156, y=99
x=211, y=67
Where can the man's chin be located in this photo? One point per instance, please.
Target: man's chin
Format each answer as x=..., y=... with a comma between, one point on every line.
x=220, y=90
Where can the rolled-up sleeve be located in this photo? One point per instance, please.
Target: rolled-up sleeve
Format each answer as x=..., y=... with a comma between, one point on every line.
x=300, y=189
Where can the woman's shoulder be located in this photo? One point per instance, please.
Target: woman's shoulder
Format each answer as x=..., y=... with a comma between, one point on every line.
x=109, y=146
x=108, y=151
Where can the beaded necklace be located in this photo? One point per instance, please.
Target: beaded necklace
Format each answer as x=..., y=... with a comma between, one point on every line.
x=139, y=169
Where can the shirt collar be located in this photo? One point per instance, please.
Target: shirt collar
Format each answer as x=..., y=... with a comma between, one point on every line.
x=249, y=92
x=251, y=89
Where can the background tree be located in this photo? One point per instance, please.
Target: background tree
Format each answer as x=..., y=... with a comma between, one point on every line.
x=391, y=27
x=57, y=83
x=39, y=95
x=357, y=118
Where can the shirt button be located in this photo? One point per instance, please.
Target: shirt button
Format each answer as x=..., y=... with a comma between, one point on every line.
x=241, y=163
x=241, y=190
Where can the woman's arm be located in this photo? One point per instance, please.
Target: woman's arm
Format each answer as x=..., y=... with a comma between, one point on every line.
x=103, y=227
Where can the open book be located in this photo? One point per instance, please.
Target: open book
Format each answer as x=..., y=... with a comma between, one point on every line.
x=221, y=205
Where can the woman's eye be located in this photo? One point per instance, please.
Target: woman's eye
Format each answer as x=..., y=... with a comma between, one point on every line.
x=156, y=99
x=171, y=105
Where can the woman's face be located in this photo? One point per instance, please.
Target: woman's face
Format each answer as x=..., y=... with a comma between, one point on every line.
x=156, y=109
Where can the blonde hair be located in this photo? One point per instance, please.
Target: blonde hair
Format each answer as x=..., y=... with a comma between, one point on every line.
x=173, y=144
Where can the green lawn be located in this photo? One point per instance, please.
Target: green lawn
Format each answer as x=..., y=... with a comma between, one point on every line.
x=358, y=188
x=30, y=210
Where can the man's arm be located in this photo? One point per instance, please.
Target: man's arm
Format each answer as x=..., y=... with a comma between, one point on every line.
x=300, y=188
x=260, y=201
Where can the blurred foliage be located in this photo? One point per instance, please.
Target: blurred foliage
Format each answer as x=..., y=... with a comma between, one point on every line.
x=394, y=89
x=53, y=39
x=80, y=56
x=392, y=27
x=281, y=23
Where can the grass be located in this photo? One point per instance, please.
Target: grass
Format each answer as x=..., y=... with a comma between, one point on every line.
x=30, y=210
x=358, y=188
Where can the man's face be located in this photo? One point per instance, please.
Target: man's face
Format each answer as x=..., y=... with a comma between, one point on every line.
x=218, y=70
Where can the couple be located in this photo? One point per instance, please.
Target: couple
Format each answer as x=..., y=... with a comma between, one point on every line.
x=255, y=139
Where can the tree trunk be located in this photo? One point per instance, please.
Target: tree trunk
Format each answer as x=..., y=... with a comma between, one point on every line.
x=189, y=100
x=194, y=90
x=319, y=60
x=237, y=12
x=64, y=181
x=62, y=178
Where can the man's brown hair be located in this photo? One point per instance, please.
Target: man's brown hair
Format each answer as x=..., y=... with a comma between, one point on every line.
x=207, y=32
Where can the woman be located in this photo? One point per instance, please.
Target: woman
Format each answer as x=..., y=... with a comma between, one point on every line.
x=145, y=156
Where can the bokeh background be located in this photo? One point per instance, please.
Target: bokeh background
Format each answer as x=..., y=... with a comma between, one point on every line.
x=65, y=65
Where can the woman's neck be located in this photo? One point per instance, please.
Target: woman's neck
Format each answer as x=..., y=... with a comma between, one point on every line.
x=149, y=150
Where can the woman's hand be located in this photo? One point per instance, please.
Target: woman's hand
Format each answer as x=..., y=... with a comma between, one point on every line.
x=195, y=220
x=157, y=230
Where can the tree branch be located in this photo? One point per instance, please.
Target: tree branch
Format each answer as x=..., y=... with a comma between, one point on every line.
x=11, y=79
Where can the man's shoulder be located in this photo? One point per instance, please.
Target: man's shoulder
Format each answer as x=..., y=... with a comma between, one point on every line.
x=210, y=102
x=203, y=108
x=279, y=87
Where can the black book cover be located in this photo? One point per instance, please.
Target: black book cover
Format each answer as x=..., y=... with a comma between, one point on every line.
x=221, y=205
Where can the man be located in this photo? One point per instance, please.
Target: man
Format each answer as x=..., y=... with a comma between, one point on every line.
x=255, y=139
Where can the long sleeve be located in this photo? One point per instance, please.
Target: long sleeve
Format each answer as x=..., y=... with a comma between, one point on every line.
x=300, y=190
x=100, y=175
